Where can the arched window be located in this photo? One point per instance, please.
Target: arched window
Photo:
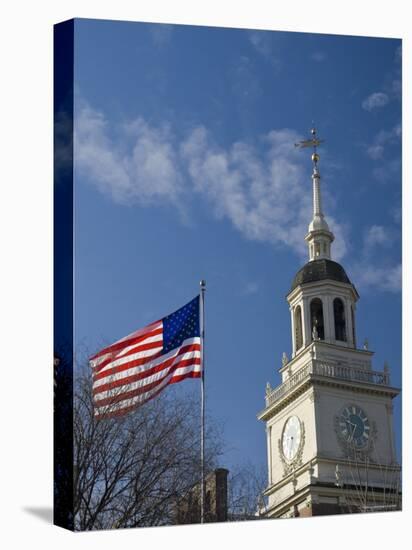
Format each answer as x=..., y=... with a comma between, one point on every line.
x=298, y=329
x=316, y=316
x=353, y=327
x=340, y=322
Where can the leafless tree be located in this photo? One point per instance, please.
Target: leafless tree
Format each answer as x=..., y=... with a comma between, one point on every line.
x=246, y=484
x=369, y=485
x=130, y=471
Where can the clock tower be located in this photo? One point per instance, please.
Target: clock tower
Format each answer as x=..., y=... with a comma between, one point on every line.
x=329, y=424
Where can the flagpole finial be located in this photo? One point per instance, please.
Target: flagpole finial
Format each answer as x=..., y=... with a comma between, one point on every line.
x=203, y=284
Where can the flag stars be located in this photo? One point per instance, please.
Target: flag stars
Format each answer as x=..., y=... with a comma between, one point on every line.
x=181, y=325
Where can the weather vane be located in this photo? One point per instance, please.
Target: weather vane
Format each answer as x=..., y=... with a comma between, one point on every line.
x=312, y=142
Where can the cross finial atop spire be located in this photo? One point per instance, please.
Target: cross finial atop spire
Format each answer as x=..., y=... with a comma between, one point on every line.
x=319, y=237
x=312, y=142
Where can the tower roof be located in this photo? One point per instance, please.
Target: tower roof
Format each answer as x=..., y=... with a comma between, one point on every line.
x=320, y=270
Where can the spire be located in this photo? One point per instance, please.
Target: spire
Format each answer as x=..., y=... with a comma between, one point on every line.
x=319, y=237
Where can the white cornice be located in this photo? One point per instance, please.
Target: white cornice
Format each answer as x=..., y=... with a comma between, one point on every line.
x=315, y=380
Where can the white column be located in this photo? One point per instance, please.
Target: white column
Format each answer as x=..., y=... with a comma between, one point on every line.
x=329, y=318
x=353, y=320
x=348, y=322
x=292, y=324
x=389, y=415
x=307, y=333
x=269, y=449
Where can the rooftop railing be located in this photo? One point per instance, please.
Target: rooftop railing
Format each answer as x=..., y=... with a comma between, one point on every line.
x=326, y=369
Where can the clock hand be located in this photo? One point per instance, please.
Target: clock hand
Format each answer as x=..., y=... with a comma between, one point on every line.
x=353, y=430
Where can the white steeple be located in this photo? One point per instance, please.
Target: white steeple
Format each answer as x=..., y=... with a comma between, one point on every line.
x=319, y=237
x=331, y=415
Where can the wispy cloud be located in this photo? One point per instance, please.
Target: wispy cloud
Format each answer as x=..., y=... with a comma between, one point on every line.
x=376, y=235
x=379, y=278
x=263, y=190
x=382, y=139
x=391, y=87
x=389, y=171
x=265, y=195
x=394, y=80
x=245, y=83
x=139, y=166
x=375, y=101
x=250, y=288
x=318, y=56
x=375, y=269
x=161, y=33
x=264, y=42
x=375, y=151
x=384, y=149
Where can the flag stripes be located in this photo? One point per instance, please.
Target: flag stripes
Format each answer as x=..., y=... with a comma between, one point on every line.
x=136, y=368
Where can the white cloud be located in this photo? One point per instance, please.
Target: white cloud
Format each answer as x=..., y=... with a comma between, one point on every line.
x=391, y=87
x=389, y=136
x=266, y=196
x=265, y=193
x=383, y=139
x=375, y=151
x=379, y=278
x=374, y=270
x=375, y=100
x=139, y=166
x=376, y=235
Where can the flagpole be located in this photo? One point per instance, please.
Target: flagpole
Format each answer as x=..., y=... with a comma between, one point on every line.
x=202, y=402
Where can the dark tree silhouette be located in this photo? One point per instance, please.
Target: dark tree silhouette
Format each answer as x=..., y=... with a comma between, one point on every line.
x=129, y=471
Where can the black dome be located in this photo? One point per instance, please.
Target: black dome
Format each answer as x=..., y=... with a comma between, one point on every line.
x=319, y=270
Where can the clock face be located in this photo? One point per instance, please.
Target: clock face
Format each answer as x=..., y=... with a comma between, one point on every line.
x=291, y=437
x=354, y=426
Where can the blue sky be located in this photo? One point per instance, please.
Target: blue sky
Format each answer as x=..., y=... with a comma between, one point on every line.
x=185, y=169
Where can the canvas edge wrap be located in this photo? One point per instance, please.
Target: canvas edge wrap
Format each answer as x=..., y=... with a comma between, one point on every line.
x=63, y=65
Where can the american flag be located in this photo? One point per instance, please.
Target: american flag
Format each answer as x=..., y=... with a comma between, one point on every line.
x=136, y=368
